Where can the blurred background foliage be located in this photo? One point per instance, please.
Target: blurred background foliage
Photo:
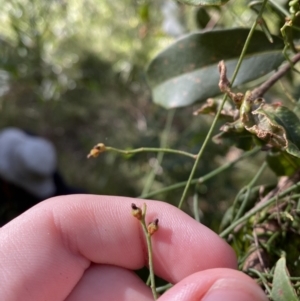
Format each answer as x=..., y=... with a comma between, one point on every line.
x=74, y=72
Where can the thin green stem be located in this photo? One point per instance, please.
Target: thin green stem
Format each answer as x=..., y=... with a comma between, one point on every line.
x=203, y=178
x=196, y=207
x=265, y=86
x=160, y=156
x=262, y=278
x=249, y=37
x=248, y=190
x=164, y=288
x=150, y=255
x=148, y=282
x=209, y=134
x=269, y=276
x=270, y=241
x=151, y=268
x=237, y=197
x=295, y=196
x=167, y=188
x=287, y=93
x=150, y=149
x=257, y=209
x=201, y=151
x=228, y=165
x=279, y=7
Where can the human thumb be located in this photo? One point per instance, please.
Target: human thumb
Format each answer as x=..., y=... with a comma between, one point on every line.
x=215, y=285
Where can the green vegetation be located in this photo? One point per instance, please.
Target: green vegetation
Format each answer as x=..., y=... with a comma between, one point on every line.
x=83, y=73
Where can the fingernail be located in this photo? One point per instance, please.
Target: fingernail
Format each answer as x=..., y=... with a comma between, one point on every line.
x=234, y=290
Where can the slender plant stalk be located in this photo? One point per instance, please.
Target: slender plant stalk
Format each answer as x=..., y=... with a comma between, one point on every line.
x=165, y=287
x=287, y=93
x=296, y=196
x=160, y=156
x=258, y=208
x=248, y=190
x=203, y=178
x=279, y=7
x=261, y=276
x=150, y=149
x=201, y=151
x=196, y=207
x=209, y=134
x=270, y=276
x=264, y=87
x=150, y=255
x=294, y=278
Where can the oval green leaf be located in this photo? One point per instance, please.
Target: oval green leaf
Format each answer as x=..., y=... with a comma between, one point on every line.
x=282, y=289
x=187, y=72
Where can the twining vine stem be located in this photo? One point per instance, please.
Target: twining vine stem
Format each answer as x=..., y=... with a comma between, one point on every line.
x=257, y=209
x=209, y=134
x=204, y=178
x=160, y=156
x=247, y=190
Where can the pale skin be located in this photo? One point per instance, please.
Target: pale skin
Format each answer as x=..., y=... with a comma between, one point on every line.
x=86, y=247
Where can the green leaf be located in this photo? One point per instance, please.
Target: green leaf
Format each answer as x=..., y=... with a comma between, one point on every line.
x=187, y=70
x=290, y=122
x=229, y=136
x=280, y=126
x=272, y=125
x=204, y=2
x=283, y=164
x=282, y=289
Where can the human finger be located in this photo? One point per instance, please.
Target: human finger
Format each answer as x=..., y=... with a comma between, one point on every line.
x=45, y=251
x=110, y=283
x=215, y=285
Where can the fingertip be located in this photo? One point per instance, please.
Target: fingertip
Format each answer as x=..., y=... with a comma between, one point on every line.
x=233, y=289
x=216, y=285
x=194, y=247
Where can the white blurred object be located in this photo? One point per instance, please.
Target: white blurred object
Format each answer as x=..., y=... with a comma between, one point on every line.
x=172, y=24
x=27, y=161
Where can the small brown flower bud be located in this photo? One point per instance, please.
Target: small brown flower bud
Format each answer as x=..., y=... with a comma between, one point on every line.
x=96, y=150
x=136, y=211
x=153, y=227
